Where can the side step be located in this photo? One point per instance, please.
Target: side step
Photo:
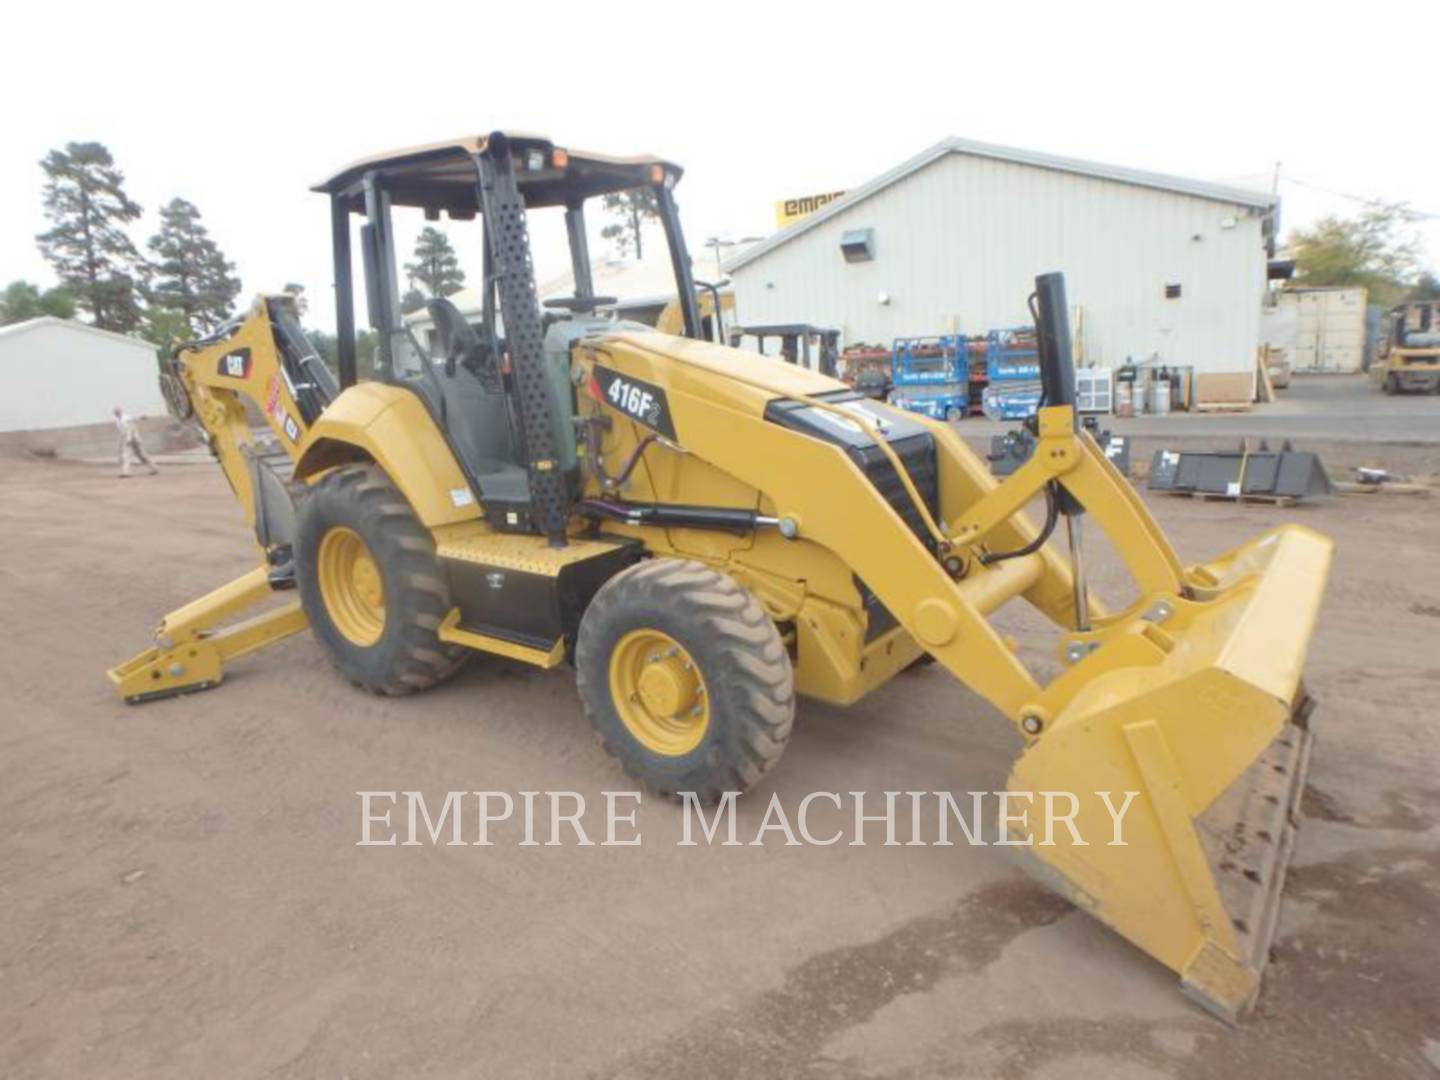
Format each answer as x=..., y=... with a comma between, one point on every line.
x=452, y=631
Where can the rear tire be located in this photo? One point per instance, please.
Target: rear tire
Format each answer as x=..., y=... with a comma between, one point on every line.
x=371, y=584
x=685, y=679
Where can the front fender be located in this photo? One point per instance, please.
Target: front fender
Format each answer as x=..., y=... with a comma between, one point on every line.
x=390, y=426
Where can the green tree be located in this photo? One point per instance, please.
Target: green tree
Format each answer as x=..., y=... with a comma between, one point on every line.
x=633, y=207
x=436, y=268
x=366, y=345
x=86, y=204
x=413, y=300
x=165, y=327
x=328, y=346
x=192, y=276
x=1426, y=287
x=21, y=301
x=1376, y=249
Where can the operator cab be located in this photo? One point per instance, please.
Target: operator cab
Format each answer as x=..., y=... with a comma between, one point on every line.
x=501, y=390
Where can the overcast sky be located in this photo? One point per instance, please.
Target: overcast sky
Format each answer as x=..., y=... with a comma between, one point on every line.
x=240, y=108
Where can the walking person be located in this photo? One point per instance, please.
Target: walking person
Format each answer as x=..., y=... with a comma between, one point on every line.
x=130, y=448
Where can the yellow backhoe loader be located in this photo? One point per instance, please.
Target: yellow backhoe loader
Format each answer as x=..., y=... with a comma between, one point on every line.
x=705, y=534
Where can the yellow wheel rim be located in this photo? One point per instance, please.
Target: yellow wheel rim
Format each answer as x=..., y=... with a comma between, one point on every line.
x=659, y=692
x=351, y=586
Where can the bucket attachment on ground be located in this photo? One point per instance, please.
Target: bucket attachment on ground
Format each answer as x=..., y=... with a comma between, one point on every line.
x=1288, y=473
x=1192, y=712
x=191, y=645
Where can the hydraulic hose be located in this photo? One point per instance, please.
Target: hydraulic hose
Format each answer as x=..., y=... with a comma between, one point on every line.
x=1052, y=515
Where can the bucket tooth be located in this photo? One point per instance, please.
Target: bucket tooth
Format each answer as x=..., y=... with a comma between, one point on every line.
x=1249, y=838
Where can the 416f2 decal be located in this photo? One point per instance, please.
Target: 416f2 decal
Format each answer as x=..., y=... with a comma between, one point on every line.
x=641, y=401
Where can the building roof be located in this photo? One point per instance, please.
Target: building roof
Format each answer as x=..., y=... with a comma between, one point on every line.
x=16, y=329
x=1199, y=188
x=442, y=175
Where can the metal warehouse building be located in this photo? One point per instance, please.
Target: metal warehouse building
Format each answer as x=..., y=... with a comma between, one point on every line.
x=1159, y=268
x=60, y=373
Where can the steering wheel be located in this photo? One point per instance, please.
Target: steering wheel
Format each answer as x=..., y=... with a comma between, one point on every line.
x=460, y=344
x=579, y=303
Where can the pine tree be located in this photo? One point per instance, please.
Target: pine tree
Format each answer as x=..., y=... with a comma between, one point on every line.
x=634, y=208
x=193, y=277
x=436, y=268
x=413, y=300
x=86, y=204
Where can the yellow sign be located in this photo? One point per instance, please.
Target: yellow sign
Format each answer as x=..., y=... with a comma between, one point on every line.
x=789, y=211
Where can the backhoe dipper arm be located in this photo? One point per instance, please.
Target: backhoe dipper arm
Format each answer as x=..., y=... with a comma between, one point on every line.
x=263, y=358
x=247, y=360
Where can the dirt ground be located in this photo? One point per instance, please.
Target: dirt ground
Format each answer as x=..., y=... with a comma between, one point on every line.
x=181, y=893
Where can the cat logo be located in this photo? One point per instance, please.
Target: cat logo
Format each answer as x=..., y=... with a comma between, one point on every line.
x=235, y=365
x=641, y=401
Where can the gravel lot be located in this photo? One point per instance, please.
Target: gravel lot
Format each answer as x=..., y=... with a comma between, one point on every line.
x=182, y=893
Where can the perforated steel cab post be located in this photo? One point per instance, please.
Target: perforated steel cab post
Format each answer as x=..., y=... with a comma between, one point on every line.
x=508, y=247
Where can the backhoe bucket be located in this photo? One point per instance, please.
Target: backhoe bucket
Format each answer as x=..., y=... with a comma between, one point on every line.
x=1197, y=708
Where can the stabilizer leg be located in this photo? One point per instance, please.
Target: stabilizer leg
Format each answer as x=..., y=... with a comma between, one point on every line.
x=190, y=651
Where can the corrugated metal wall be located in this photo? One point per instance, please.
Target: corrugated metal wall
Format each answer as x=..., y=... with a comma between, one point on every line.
x=59, y=376
x=958, y=244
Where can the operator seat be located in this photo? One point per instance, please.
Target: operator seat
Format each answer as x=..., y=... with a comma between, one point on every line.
x=477, y=418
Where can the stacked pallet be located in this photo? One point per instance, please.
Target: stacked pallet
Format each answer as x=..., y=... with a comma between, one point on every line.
x=1224, y=392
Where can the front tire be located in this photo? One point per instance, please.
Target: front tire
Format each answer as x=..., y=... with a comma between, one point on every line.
x=371, y=584
x=685, y=679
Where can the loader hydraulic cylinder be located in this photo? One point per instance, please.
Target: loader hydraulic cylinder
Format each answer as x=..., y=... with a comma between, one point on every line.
x=1057, y=385
x=1052, y=332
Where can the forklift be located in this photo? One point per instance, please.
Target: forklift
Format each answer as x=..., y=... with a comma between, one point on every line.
x=1410, y=353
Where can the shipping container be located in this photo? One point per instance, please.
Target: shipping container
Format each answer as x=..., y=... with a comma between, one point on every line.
x=1329, y=328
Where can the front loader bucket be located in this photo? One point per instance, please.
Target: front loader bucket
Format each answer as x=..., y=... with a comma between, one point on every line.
x=1199, y=711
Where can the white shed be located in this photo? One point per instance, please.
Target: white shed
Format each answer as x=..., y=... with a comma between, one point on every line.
x=59, y=373
x=1158, y=268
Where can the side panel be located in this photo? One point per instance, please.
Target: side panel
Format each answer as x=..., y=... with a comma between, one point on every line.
x=391, y=426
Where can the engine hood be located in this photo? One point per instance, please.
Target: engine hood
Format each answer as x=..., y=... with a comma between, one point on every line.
x=734, y=377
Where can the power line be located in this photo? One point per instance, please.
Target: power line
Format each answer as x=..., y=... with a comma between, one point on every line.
x=1410, y=213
